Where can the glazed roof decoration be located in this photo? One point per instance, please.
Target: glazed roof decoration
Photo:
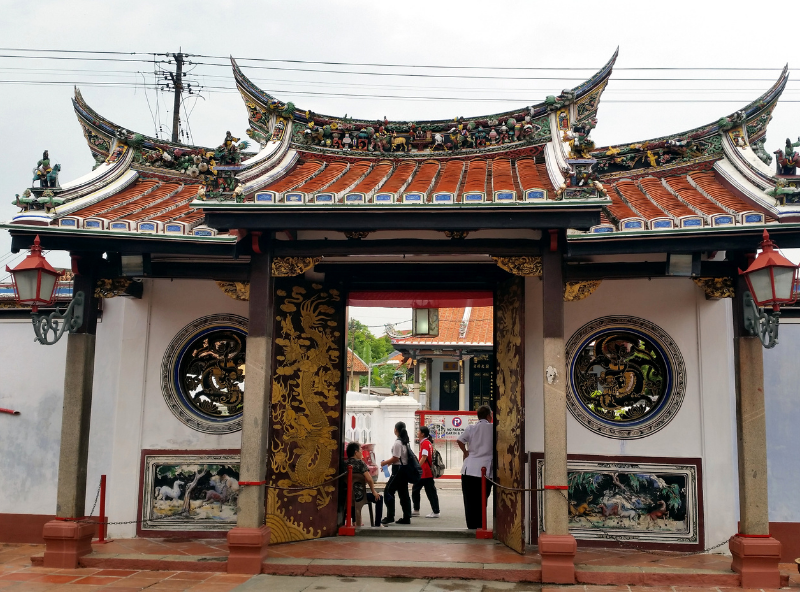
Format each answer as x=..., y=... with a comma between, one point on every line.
x=538, y=157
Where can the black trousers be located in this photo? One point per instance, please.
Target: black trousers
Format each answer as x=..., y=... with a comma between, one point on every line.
x=397, y=485
x=429, y=484
x=473, y=507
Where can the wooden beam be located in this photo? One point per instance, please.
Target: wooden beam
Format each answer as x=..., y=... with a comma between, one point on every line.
x=501, y=247
x=402, y=217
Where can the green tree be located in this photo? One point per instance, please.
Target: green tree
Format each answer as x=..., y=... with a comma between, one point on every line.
x=371, y=349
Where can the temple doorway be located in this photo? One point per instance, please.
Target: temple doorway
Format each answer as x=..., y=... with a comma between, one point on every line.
x=411, y=360
x=325, y=395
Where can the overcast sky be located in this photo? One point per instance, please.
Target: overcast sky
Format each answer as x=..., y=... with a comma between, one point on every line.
x=573, y=38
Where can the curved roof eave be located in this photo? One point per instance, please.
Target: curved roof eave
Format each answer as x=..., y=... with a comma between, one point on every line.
x=751, y=110
x=246, y=86
x=108, y=128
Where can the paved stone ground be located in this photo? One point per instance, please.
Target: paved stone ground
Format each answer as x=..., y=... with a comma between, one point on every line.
x=451, y=506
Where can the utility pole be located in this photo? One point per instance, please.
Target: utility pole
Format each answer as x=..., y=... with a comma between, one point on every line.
x=177, y=83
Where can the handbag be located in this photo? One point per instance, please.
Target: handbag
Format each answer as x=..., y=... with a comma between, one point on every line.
x=412, y=468
x=437, y=463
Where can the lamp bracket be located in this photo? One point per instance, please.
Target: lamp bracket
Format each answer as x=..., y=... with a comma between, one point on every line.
x=757, y=322
x=50, y=328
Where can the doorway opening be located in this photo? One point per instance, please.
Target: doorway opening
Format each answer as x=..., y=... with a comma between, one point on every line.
x=425, y=358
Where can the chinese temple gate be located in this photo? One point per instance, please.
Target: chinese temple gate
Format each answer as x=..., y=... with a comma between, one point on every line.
x=619, y=340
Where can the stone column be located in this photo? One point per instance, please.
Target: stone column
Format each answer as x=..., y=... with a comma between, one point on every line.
x=417, y=368
x=556, y=546
x=248, y=541
x=756, y=555
x=65, y=539
x=462, y=387
x=428, y=383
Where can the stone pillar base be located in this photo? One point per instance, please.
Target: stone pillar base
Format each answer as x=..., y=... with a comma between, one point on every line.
x=558, y=558
x=756, y=560
x=65, y=542
x=247, y=549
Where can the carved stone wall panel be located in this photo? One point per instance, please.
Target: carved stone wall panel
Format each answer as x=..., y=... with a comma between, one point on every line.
x=306, y=414
x=510, y=413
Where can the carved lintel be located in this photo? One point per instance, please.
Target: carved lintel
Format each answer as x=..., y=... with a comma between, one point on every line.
x=108, y=288
x=716, y=287
x=578, y=290
x=290, y=266
x=235, y=289
x=358, y=235
x=457, y=234
x=526, y=266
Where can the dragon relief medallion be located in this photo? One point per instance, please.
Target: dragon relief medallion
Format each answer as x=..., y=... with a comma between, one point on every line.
x=203, y=373
x=212, y=373
x=627, y=377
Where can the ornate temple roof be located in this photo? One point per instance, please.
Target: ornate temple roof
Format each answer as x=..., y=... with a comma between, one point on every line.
x=523, y=167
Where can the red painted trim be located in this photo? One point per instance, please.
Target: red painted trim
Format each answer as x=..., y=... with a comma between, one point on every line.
x=421, y=298
x=173, y=534
x=556, y=487
x=255, y=239
x=253, y=483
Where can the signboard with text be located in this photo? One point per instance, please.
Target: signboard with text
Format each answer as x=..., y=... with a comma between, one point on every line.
x=447, y=425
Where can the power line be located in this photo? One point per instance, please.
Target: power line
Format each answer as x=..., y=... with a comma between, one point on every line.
x=403, y=66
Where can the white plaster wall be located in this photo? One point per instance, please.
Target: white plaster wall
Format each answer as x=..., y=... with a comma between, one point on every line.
x=703, y=428
x=175, y=304
x=32, y=378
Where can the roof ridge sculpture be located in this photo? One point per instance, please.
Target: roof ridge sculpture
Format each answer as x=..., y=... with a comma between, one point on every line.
x=289, y=111
x=699, y=144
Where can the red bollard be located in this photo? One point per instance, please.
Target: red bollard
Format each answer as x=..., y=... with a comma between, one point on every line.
x=101, y=526
x=348, y=528
x=483, y=533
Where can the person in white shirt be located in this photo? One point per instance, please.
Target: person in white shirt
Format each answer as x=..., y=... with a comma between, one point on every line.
x=398, y=482
x=477, y=444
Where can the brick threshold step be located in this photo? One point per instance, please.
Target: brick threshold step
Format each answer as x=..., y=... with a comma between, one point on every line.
x=523, y=573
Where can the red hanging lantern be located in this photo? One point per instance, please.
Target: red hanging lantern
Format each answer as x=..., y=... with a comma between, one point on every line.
x=772, y=277
x=34, y=279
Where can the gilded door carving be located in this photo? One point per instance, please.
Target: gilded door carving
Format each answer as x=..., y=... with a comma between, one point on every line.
x=510, y=413
x=306, y=413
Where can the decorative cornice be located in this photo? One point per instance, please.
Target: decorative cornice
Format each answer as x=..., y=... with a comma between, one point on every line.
x=109, y=288
x=526, y=266
x=457, y=234
x=578, y=290
x=716, y=287
x=358, y=235
x=291, y=266
x=235, y=289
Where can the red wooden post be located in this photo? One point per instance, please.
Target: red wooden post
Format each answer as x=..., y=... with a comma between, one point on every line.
x=348, y=528
x=483, y=533
x=101, y=526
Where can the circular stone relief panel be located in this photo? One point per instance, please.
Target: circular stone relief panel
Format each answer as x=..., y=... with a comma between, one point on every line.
x=627, y=377
x=202, y=374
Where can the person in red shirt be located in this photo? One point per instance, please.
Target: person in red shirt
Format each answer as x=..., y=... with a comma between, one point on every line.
x=427, y=481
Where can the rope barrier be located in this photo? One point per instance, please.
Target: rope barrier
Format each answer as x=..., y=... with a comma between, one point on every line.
x=291, y=489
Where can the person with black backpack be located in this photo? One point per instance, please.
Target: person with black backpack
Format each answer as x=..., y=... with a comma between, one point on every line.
x=405, y=470
x=427, y=481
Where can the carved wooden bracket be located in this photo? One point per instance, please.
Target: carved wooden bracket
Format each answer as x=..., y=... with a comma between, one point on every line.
x=108, y=288
x=290, y=266
x=526, y=266
x=358, y=235
x=235, y=289
x=716, y=287
x=578, y=290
